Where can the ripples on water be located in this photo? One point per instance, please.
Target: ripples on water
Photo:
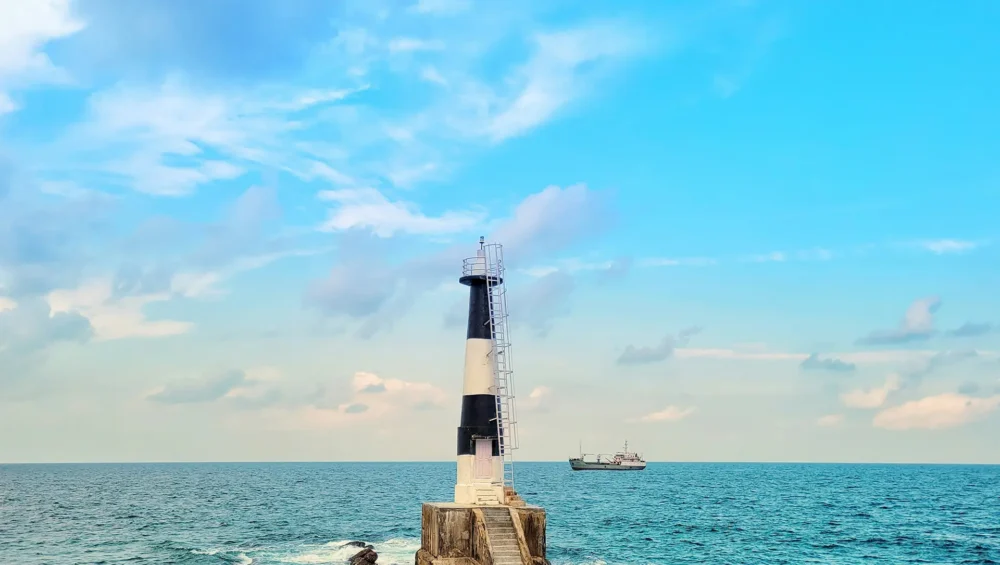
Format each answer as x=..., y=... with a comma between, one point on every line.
x=669, y=513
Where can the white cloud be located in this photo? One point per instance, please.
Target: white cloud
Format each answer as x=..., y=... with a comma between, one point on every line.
x=944, y=246
x=204, y=284
x=872, y=397
x=7, y=304
x=536, y=398
x=430, y=74
x=441, y=7
x=936, y=412
x=170, y=138
x=373, y=398
x=920, y=315
x=830, y=420
x=407, y=177
x=686, y=261
x=668, y=414
x=326, y=172
x=369, y=208
x=772, y=257
x=696, y=353
x=539, y=392
x=917, y=324
x=570, y=266
x=408, y=44
x=552, y=77
x=551, y=218
x=115, y=318
x=25, y=28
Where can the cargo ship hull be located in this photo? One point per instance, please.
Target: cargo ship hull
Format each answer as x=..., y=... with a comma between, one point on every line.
x=579, y=465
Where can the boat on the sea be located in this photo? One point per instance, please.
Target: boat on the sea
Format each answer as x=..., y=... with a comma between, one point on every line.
x=623, y=460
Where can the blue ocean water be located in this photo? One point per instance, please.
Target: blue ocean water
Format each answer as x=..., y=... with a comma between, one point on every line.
x=263, y=514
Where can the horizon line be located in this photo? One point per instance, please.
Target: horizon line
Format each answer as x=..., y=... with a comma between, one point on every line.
x=383, y=461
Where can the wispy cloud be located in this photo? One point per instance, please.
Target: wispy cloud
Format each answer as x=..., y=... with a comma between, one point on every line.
x=373, y=398
x=368, y=208
x=814, y=363
x=407, y=44
x=558, y=72
x=365, y=286
x=537, y=399
x=872, y=397
x=193, y=391
x=941, y=411
x=171, y=138
x=917, y=325
x=928, y=365
x=723, y=353
x=830, y=420
x=970, y=329
x=685, y=261
x=946, y=246
x=25, y=29
x=664, y=350
x=115, y=317
x=772, y=257
x=543, y=300
x=441, y=7
x=668, y=414
x=28, y=329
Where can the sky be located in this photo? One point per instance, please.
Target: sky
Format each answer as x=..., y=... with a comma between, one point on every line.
x=734, y=230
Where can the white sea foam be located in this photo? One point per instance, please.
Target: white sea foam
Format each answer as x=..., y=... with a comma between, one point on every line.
x=397, y=551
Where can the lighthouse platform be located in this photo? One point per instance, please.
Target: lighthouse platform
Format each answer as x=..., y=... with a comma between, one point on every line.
x=466, y=534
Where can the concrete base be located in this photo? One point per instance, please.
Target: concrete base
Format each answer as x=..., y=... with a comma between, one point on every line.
x=456, y=534
x=479, y=493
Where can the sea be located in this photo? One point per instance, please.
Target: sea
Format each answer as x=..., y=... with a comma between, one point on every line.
x=305, y=513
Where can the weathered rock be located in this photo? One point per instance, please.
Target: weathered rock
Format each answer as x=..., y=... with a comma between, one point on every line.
x=366, y=556
x=356, y=544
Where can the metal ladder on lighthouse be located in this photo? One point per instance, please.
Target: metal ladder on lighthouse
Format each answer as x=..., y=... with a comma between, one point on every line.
x=502, y=363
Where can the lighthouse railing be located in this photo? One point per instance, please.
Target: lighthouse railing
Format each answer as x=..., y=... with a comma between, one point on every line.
x=502, y=362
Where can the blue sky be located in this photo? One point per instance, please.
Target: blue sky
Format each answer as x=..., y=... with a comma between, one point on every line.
x=736, y=229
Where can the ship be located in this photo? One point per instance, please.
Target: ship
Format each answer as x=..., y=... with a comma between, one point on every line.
x=623, y=460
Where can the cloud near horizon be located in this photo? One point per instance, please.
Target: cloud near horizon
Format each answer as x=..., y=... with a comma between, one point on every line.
x=937, y=412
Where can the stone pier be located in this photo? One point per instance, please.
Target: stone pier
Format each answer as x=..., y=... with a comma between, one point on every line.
x=466, y=534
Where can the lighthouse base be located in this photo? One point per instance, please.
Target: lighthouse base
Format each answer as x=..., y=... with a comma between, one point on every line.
x=465, y=534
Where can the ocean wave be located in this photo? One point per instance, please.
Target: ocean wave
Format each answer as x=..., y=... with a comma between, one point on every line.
x=395, y=551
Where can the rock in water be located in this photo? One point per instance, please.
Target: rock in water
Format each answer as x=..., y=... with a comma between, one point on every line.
x=355, y=544
x=366, y=556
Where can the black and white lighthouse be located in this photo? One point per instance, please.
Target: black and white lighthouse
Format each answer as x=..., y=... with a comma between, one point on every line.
x=480, y=460
x=488, y=523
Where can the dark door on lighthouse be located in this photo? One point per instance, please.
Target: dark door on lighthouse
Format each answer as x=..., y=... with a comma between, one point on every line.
x=484, y=458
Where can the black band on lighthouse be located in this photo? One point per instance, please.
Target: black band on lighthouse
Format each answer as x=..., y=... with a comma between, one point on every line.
x=479, y=307
x=478, y=422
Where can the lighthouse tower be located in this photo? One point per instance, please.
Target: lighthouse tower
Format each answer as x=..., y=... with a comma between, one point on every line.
x=488, y=523
x=487, y=429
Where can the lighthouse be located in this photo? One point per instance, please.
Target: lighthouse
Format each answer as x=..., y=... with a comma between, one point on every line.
x=480, y=476
x=488, y=523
